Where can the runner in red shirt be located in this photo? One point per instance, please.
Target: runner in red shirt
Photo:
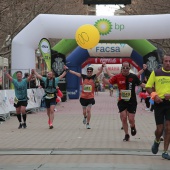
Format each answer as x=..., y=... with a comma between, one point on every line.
x=127, y=103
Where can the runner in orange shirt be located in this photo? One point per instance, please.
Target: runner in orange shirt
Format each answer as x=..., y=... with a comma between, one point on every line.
x=87, y=93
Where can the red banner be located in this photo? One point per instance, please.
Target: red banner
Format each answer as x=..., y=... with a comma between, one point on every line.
x=93, y=60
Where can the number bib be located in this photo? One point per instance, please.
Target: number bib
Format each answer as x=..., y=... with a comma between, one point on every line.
x=87, y=88
x=50, y=95
x=15, y=100
x=125, y=94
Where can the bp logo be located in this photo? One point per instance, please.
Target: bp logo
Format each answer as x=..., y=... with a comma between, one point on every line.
x=104, y=26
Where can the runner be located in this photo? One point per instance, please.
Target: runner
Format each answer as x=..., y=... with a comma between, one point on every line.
x=127, y=103
x=51, y=83
x=21, y=99
x=87, y=93
x=117, y=89
x=160, y=79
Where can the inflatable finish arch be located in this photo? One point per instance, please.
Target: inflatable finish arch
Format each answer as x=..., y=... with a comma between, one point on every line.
x=65, y=26
x=119, y=28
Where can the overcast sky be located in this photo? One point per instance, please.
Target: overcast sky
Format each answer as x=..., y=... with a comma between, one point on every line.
x=106, y=10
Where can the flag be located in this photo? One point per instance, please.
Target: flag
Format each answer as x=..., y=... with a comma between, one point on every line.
x=45, y=49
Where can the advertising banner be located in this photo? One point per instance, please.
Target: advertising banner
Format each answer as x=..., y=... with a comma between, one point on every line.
x=45, y=49
x=153, y=62
x=4, y=106
x=111, y=50
x=57, y=63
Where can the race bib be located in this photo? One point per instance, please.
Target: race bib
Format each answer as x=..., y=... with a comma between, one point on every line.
x=125, y=94
x=15, y=100
x=50, y=95
x=87, y=88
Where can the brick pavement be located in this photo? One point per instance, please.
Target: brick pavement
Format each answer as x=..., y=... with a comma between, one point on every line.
x=70, y=142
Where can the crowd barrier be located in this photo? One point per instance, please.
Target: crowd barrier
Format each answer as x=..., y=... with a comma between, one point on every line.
x=7, y=101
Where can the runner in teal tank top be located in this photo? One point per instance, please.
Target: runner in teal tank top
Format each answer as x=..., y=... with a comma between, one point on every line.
x=20, y=100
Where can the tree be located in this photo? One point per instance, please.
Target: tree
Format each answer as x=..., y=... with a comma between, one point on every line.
x=16, y=14
x=146, y=7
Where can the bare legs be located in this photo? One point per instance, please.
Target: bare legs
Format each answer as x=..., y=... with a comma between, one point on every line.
x=87, y=114
x=127, y=117
x=50, y=114
x=21, y=111
x=158, y=134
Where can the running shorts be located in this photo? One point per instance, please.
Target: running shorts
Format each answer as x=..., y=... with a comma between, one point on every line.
x=162, y=112
x=131, y=106
x=86, y=102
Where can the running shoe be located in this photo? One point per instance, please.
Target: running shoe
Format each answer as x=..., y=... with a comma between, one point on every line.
x=155, y=147
x=20, y=126
x=133, y=131
x=147, y=109
x=24, y=125
x=84, y=120
x=161, y=139
x=127, y=137
x=51, y=126
x=165, y=155
x=88, y=126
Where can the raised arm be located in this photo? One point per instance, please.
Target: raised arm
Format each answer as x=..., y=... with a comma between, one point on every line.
x=63, y=74
x=100, y=70
x=108, y=72
x=75, y=73
x=37, y=75
x=72, y=72
x=142, y=70
x=7, y=75
x=30, y=76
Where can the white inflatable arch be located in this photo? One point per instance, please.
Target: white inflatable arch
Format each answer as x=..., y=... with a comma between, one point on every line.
x=65, y=26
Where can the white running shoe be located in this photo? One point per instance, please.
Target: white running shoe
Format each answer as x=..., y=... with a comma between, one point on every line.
x=84, y=121
x=88, y=126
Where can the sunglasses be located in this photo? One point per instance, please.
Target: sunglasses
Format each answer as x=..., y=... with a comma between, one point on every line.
x=127, y=68
x=89, y=71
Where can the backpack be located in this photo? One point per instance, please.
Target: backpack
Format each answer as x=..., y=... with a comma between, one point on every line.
x=47, y=85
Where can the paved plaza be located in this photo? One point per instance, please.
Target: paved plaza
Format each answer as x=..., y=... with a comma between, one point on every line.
x=71, y=146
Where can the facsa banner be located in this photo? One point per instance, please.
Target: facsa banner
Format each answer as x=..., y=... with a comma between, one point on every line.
x=111, y=50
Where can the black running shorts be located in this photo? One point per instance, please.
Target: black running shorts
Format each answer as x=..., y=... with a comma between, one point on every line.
x=86, y=102
x=50, y=102
x=162, y=112
x=21, y=103
x=131, y=106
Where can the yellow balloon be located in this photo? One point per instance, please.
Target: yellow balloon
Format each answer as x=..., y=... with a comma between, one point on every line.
x=87, y=36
